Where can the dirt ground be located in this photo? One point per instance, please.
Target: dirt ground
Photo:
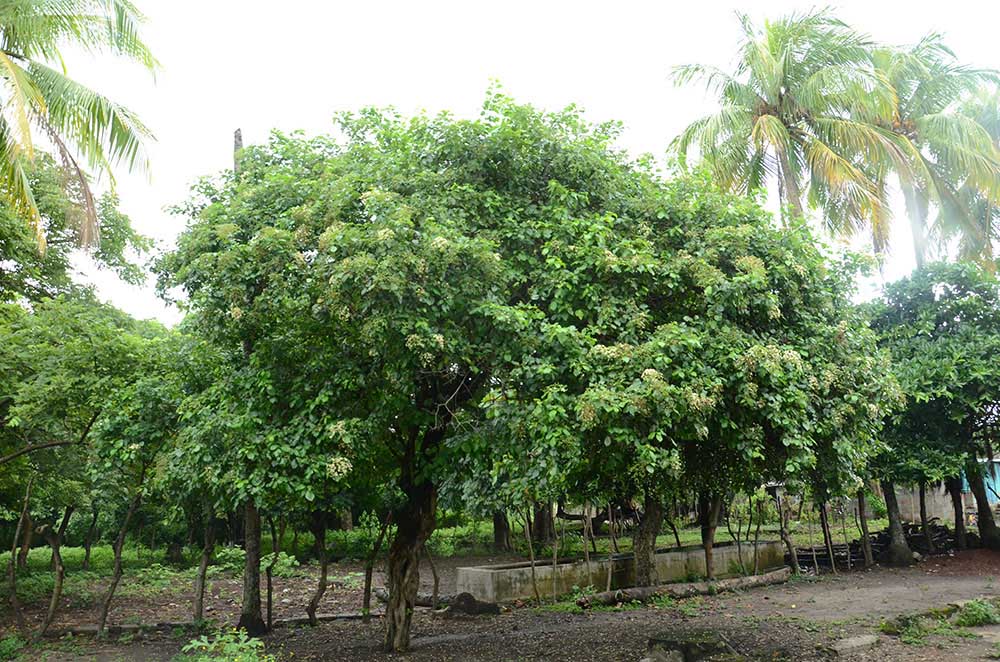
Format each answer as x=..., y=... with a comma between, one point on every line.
x=793, y=622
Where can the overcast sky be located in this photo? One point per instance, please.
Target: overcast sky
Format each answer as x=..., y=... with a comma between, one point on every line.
x=261, y=65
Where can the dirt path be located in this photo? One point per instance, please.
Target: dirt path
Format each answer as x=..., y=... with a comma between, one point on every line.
x=791, y=622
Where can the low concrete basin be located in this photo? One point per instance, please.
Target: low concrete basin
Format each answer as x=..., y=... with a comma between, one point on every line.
x=512, y=581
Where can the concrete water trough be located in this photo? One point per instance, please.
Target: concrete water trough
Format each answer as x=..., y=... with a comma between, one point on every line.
x=512, y=581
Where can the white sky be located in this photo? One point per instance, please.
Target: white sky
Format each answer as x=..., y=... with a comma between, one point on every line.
x=261, y=65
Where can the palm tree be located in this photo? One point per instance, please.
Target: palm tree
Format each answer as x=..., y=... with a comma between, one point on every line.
x=948, y=150
x=976, y=221
x=804, y=107
x=40, y=97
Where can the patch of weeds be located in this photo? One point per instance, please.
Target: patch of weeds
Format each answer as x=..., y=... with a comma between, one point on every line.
x=977, y=612
x=995, y=653
x=126, y=638
x=225, y=646
x=352, y=580
x=11, y=647
x=915, y=630
x=232, y=559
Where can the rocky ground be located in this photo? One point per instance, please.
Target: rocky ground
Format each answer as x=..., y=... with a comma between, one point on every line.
x=796, y=621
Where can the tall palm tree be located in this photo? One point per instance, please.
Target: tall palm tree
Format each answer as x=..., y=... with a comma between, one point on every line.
x=976, y=221
x=39, y=97
x=948, y=150
x=790, y=113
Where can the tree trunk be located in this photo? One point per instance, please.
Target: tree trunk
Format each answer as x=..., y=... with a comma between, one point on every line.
x=116, y=574
x=276, y=538
x=709, y=506
x=899, y=553
x=415, y=521
x=89, y=540
x=27, y=536
x=954, y=486
x=251, y=617
x=434, y=573
x=54, y=538
x=916, y=209
x=923, y=519
x=866, y=541
x=15, y=604
x=988, y=532
x=756, y=537
x=541, y=526
x=586, y=542
x=207, y=549
x=370, y=567
x=531, y=557
x=793, y=195
x=827, y=536
x=319, y=535
x=644, y=542
x=501, y=532
x=784, y=515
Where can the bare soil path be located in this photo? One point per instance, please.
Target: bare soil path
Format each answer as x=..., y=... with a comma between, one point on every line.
x=791, y=622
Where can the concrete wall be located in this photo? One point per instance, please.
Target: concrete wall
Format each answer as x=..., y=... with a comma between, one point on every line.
x=938, y=504
x=502, y=583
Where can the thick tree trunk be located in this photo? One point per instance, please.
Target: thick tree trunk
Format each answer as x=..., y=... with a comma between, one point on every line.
x=54, y=538
x=923, y=519
x=709, y=506
x=319, y=535
x=541, y=526
x=644, y=542
x=899, y=553
x=15, y=604
x=251, y=617
x=827, y=536
x=208, y=547
x=89, y=540
x=988, y=532
x=346, y=520
x=866, y=541
x=501, y=532
x=784, y=515
x=415, y=521
x=954, y=485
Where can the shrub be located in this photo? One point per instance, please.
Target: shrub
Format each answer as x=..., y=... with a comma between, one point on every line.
x=225, y=646
x=229, y=558
x=977, y=612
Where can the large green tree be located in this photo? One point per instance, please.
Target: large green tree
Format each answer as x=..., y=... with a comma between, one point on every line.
x=942, y=326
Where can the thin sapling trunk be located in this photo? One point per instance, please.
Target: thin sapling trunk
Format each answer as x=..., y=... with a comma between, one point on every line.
x=866, y=541
x=15, y=604
x=54, y=538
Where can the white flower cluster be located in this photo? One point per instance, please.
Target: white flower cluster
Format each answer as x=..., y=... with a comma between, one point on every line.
x=338, y=467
